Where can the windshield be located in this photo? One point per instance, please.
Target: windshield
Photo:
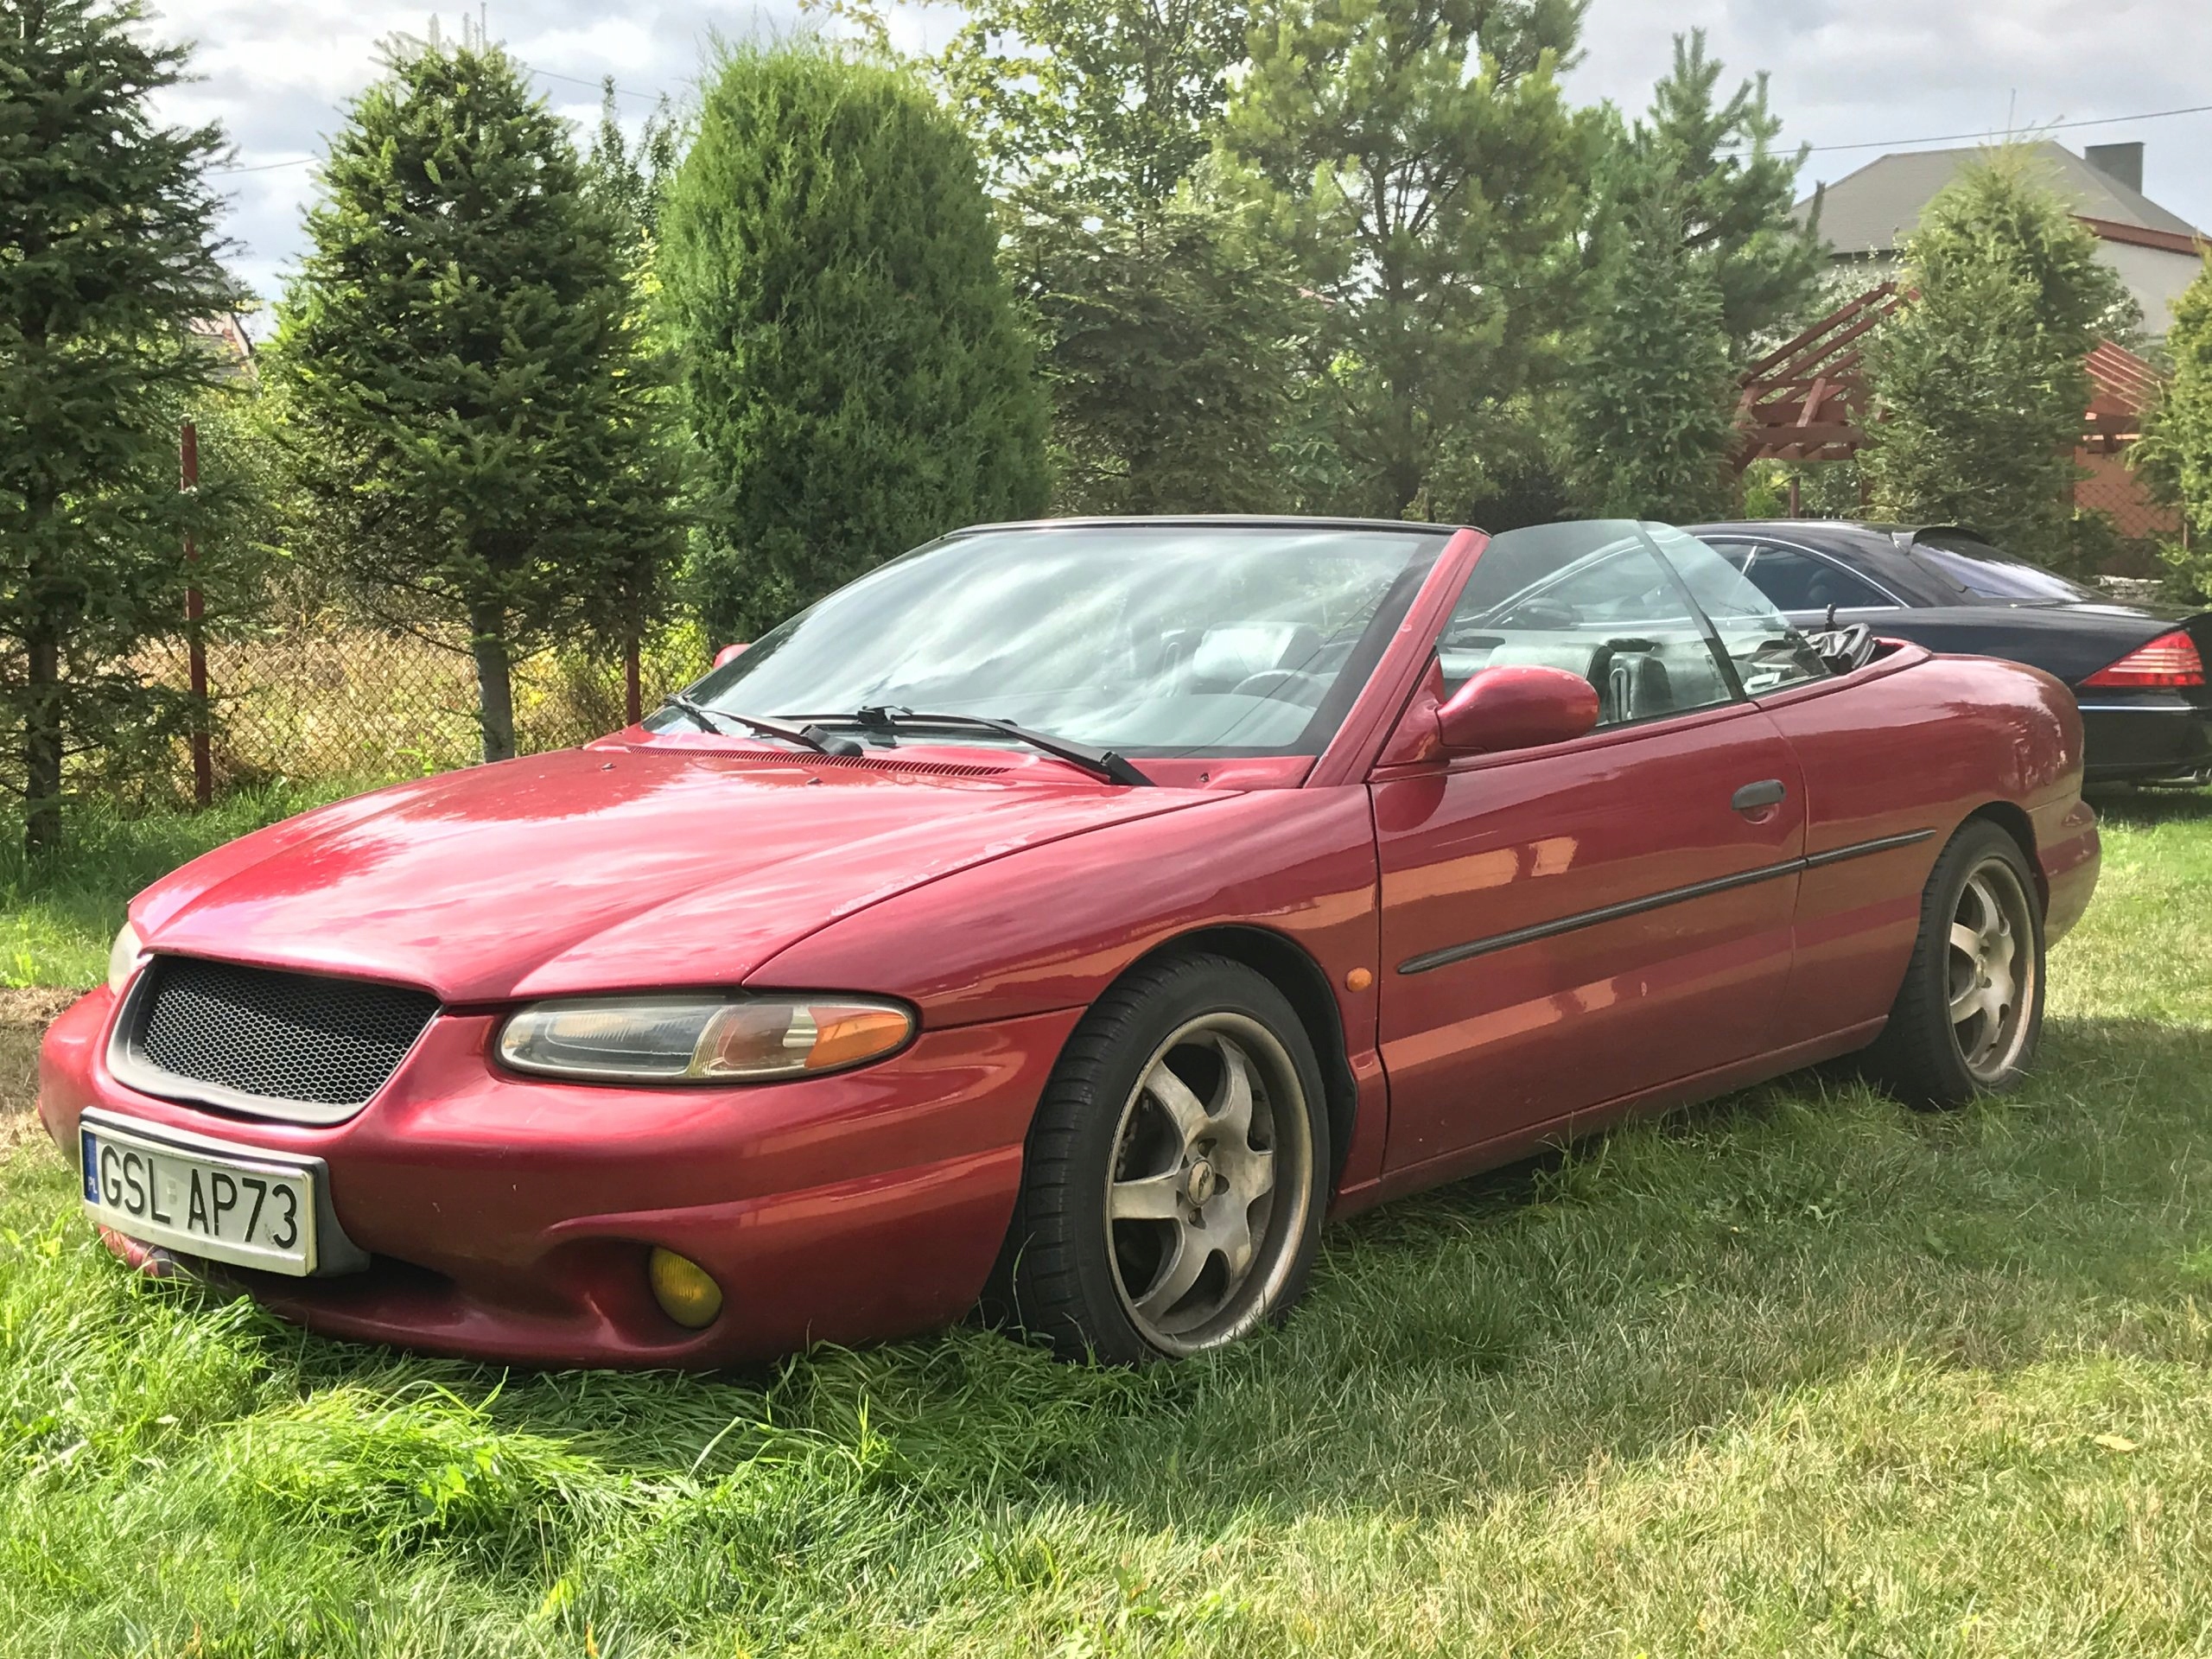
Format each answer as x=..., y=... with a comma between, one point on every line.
x=1981, y=569
x=1161, y=639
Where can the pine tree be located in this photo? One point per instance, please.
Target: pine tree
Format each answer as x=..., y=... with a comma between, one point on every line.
x=1695, y=255
x=464, y=368
x=854, y=370
x=1419, y=159
x=1981, y=380
x=2175, y=453
x=108, y=252
x=1651, y=410
x=1727, y=193
x=1170, y=335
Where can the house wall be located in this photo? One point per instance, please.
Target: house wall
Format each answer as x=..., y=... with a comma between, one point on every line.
x=2156, y=277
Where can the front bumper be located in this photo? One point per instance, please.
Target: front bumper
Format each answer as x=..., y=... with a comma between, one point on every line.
x=510, y=1219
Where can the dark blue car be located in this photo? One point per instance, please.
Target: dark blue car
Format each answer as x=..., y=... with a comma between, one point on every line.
x=2137, y=670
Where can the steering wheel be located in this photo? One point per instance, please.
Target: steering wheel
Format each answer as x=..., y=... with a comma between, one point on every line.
x=1268, y=681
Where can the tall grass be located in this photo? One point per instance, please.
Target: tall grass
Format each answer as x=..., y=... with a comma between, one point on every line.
x=1801, y=1372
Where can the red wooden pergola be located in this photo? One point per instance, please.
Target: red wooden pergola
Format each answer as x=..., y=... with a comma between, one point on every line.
x=1808, y=400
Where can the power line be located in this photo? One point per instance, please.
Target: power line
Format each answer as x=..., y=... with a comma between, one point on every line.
x=2055, y=126
x=265, y=167
x=578, y=80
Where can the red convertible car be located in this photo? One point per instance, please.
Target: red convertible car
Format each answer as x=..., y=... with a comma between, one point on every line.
x=1068, y=916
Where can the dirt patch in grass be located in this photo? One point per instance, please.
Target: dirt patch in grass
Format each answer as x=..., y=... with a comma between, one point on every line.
x=23, y=1017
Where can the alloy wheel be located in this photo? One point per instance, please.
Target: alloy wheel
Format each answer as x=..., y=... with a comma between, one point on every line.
x=1991, y=979
x=1207, y=1190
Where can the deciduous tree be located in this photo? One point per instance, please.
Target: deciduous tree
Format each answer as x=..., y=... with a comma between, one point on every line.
x=108, y=252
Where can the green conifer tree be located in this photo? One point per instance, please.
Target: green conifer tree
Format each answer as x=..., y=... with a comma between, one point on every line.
x=854, y=369
x=1651, y=409
x=1171, y=336
x=2175, y=453
x=465, y=372
x=1419, y=159
x=1696, y=255
x=108, y=252
x=1981, y=378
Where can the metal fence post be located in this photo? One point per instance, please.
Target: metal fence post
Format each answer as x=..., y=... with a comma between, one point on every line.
x=633, y=701
x=203, y=759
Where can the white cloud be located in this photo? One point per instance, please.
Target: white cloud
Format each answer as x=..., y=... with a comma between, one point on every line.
x=1877, y=72
x=278, y=76
x=1844, y=72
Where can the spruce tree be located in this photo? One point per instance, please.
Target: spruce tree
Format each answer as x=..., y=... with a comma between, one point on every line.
x=1980, y=380
x=854, y=369
x=1171, y=346
x=108, y=252
x=1726, y=192
x=1170, y=334
x=465, y=371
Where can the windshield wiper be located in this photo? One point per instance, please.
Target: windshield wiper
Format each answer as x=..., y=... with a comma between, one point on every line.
x=1104, y=762
x=706, y=719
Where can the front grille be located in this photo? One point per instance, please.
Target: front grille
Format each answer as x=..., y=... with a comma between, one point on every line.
x=274, y=1035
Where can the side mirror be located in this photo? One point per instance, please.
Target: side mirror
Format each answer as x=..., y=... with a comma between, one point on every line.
x=1517, y=706
x=730, y=653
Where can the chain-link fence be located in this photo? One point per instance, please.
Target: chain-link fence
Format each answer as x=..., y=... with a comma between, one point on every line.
x=333, y=699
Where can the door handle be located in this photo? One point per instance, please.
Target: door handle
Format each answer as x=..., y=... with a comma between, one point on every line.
x=1768, y=791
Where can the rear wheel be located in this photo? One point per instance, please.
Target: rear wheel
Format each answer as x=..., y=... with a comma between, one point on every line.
x=1172, y=1194
x=1970, y=1013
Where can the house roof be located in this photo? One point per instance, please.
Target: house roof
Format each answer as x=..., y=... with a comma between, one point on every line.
x=1867, y=212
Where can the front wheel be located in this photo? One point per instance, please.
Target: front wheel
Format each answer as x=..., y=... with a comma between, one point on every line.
x=1970, y=1011
x=1173, y=1190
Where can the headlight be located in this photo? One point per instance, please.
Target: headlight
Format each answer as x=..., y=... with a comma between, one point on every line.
x=701, y=1038
x=122, y=959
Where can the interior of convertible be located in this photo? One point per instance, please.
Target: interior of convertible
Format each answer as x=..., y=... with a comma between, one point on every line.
x=1166, y=638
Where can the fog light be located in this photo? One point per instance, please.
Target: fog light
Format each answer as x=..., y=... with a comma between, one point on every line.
x=684, y=1289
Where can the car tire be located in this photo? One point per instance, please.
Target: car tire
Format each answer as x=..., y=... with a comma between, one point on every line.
x=1967, y=1018
x=1175, y=1172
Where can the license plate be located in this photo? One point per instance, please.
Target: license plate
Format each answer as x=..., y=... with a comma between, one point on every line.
x=227, y=1203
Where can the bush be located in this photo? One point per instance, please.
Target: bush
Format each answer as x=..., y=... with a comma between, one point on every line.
x=853, y=367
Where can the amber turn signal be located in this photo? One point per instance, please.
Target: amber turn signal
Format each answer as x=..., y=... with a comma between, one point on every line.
x=686, y=1291
x=771, y=1037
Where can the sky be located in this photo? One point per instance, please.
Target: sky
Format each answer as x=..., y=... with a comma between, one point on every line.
x=1869, y=73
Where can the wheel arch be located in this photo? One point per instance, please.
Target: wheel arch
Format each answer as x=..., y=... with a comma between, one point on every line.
x=2016, y=824
x=1286, y=965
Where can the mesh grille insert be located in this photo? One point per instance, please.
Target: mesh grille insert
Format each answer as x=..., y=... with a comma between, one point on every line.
x=279, y=1035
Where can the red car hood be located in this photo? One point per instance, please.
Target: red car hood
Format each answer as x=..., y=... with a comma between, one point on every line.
x=606, y=868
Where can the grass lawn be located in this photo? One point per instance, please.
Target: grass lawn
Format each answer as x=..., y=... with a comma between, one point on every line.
x=1801, y=1372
